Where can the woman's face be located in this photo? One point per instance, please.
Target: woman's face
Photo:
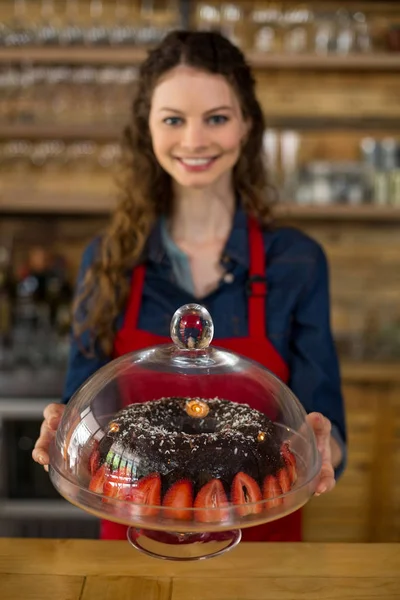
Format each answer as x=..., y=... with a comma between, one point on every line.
x=197, y=127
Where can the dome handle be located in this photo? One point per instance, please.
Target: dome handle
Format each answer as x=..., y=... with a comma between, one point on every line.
x=192, y=327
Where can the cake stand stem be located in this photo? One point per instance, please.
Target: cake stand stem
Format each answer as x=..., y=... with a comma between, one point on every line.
x=170, y=545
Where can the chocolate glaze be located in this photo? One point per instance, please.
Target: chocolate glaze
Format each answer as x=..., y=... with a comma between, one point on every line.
x=159, y=436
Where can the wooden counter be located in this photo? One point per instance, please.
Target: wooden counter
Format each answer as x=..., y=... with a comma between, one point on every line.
x=95, y=570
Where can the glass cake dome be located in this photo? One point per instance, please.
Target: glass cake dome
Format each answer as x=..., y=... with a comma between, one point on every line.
x=186, y=444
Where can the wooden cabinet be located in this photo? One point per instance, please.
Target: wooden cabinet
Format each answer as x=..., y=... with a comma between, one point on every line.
x=365, y=505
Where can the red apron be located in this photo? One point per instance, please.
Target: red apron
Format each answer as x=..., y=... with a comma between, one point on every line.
x=256, y=347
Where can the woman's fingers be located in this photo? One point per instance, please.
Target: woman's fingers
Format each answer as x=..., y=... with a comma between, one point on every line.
x=52, y=416
x=53, y=413
x=326, y=481
x=40, y=451
x=322, y=430
x=321, y=426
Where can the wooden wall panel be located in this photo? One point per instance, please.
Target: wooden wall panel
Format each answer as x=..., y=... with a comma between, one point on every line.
x=387, y=526
x=364, y=265
x=365, y=505
x=344, y=514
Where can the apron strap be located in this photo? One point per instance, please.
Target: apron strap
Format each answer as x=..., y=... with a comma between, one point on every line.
x=135, y=298
x=257, y=282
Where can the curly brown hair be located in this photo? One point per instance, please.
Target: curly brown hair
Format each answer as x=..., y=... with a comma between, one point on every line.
x=145, y=188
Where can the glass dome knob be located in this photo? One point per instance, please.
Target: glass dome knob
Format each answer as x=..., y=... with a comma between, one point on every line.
x=192, y=327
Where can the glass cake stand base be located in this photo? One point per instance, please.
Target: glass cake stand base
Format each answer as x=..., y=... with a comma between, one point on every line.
x=183, y=546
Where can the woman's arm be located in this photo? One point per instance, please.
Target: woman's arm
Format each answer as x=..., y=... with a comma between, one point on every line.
x=81, y=365
x=315, y=376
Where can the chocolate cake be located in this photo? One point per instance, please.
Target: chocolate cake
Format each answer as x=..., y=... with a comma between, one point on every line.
x=189, y=452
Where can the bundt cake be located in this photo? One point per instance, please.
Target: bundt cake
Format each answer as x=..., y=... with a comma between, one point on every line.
x=182, y=453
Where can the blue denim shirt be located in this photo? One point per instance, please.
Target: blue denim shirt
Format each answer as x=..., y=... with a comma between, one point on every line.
x=297, y=311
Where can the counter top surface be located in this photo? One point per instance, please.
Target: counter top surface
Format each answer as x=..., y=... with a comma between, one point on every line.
x=107, y=570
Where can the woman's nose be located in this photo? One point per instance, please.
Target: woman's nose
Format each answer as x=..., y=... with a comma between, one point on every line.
x=194, y=138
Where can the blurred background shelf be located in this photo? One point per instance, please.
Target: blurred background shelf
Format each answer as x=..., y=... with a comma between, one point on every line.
x=112, y=132
x=319, y=123
x=37, y=131
x=338, y=213
x=28, y=202
x=370, y=372
x=39, y=509
x=135, y=55
x=373, y=62
x=71, y=55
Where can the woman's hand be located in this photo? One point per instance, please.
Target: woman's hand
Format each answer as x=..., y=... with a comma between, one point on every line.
x=322, y=430
x=52, y=417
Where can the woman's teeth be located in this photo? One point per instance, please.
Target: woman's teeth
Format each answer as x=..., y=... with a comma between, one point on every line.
x=196, y=162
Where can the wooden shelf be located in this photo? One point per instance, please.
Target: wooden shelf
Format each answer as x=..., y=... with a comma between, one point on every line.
x=337, y=213
x=30, y=202
x=37, y=131
x=135, y=55
x=74, y=55
x=332, y=123
x=370, y=372
x=112, y=132
x=27, y=203
x=373, y=62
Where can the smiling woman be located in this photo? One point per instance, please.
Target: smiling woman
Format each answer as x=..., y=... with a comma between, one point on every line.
x=193, y=223
x=197, y=138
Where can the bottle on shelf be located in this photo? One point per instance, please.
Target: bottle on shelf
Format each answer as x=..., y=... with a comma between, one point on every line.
x=290, y=143
x=44, y=295
x=390, y=166
x=381, y=159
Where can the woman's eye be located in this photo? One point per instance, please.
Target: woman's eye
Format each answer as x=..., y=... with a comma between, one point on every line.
x=218, y=119
x=214, y=120
x=173, y=121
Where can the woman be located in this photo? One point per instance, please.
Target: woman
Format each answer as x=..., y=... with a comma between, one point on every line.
x=194, y=224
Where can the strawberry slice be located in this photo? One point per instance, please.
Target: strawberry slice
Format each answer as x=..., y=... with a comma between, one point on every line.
x=178, y=497
x=118, y=484
x=290, y=461
x=146, y=491
x=94, y=461
x=284, y=480
x=271, y=489
x=98, y=480
x=212, y=497
x=244, y=491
